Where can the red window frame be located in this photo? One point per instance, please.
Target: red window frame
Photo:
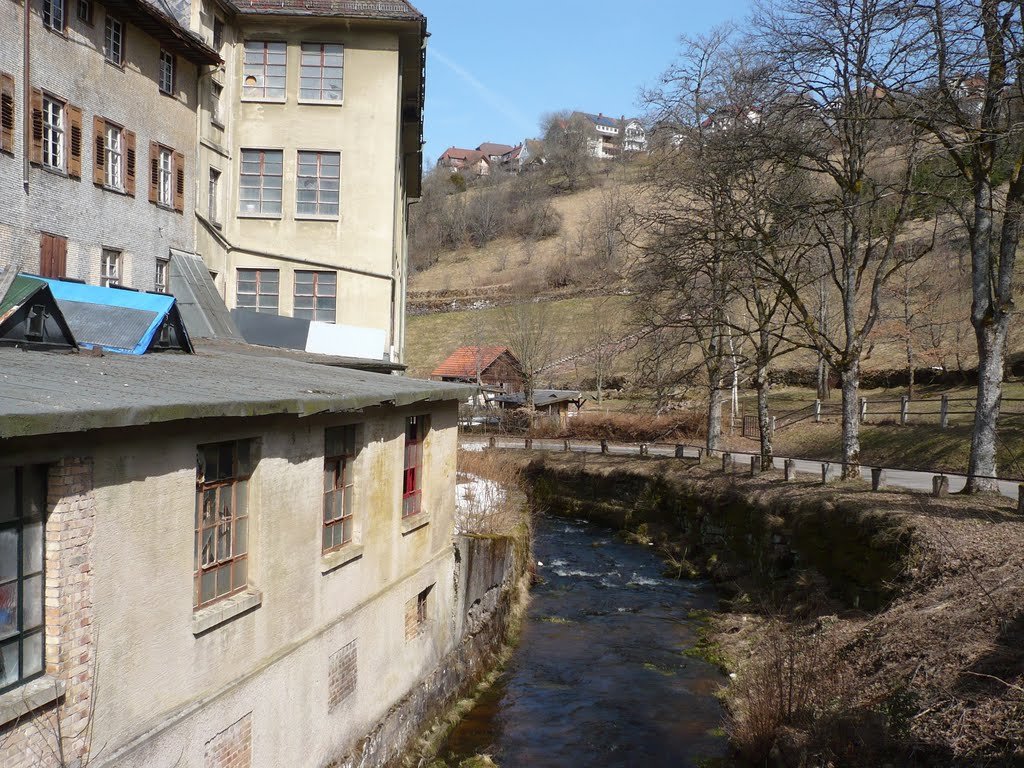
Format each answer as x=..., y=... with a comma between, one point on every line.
x=412, y=481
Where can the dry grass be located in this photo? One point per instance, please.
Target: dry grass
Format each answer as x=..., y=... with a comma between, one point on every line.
x=626, y=427
x=490, y=500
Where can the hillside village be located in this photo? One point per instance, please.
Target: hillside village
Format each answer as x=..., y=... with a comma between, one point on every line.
x=244, y=318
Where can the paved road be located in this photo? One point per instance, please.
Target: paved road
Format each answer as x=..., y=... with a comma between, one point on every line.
x=899, y=478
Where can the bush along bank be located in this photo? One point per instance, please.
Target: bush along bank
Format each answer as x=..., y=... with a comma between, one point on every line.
x=861, y=628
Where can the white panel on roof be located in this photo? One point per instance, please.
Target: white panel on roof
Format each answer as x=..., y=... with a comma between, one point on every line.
x=346, y=341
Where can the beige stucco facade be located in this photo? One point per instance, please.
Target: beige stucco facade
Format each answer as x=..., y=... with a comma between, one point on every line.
x=167, y=684
x=365, y=244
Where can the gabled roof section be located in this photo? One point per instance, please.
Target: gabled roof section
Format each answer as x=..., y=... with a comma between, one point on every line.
x=490, y=148
x=117, y=320
x=462, y=363
x=393, y=10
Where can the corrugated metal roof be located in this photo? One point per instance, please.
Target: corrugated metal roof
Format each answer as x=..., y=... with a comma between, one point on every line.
x=21, y=289
x=113, y=319
x=49, y=393
x=202, y=309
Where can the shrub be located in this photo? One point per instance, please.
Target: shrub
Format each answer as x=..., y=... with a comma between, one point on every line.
x=626, y=427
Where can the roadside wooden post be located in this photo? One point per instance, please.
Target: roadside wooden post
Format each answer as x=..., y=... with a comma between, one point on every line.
x=755, y=466
x=904, y=409
x=826, y=468
x=565, y=446
x=604, y=446
x=680, y=451
x=1020, y=499
x=940, y=486
x=492, y=442
x=528, y=443
x=700, y=455
x=863, y=410
x=877, y=479
x=817, y=411
x=726, y=462
x=643, y=449
x=790, y=470
x=944, y=412
x=771, y=428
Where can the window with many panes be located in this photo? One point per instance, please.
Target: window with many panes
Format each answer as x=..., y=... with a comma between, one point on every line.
x=319, y=179
x=320, y=76
x=316, y=295
x=22, y=520
x=113, y=156
x=260, y=182
x=264, y=70
x=54, y=133
x=113, y=40
x=258, y=289
x=165, y=190
x=53, y=14
x=160, y=279
x=223, y=471
x=339, y=461
x=166, y=72
x=110, y=267
x=412, y=481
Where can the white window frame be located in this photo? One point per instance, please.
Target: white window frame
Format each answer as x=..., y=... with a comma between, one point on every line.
x=318, y=71
x=165, y=178
x=168, y=65
x=54, y=134
x=113, y=156
x=160, y=278
x=55, y=15
x=110, y=267
x=318, y=184
x=113, y=28
x=256, y=63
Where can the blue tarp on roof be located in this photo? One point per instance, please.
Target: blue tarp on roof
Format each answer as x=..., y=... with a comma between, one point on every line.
x=110, y=318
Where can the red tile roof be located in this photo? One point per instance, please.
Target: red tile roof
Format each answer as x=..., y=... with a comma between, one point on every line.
x=462, y=363
x=357, y=9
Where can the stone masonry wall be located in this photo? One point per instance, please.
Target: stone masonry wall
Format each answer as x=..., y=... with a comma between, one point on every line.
x=57, y=734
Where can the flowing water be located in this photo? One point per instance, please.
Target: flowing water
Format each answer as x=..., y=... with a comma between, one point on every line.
x=600, y=676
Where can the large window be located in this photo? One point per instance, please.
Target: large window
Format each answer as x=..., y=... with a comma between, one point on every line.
x=258, y=289
x=53, y=14
x=22, y=517
x=113, y=156
x=54, y=141
x=412, y=480
x=264, y=70
x=318, y=184
x=339, y=458
x=113, y=40
x=261, y=181
x=320, y=76
x=316, y=295
x=223, y=471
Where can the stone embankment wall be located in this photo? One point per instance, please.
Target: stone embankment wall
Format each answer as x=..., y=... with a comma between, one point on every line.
x=491, y=579
x=739, y=529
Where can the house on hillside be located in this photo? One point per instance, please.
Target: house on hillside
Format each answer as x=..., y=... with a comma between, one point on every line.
x=494, y=367
x=468, y=160
x=529, y=155
x=613, y=137
x=494, y=152
x=552, y=404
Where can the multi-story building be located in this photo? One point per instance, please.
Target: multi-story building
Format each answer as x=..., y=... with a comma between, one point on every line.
x=310, y=148
x=613, y=137
x=98, y=104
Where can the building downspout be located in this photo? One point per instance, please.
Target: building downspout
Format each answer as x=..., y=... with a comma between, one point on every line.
x=27, y=99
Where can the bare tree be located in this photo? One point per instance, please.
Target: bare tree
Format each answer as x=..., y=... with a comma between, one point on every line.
x=567, y=138
x=969, y=98
x=528, y=330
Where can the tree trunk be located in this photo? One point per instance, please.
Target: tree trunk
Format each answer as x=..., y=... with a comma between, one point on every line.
x=714, y=439
x=763, y=419
x=982, y=469
x=850, y=377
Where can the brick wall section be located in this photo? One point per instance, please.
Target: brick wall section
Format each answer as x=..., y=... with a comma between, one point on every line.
x=231, y=748
x=342, y=675
x=412, y=621
x=70, y=649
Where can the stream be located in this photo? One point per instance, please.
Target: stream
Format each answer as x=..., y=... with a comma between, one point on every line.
x=600, y=676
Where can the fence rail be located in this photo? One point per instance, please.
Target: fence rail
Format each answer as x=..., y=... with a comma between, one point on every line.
x=945, y=411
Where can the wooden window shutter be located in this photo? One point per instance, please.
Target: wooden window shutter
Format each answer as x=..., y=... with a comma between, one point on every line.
x=129, y=162
x=75, y=142
x=154, y=172
x=53, y=256
x=6, y=113
x=36, y=140
x=46, y=255
x=99, y=154
x=179, y=182
x=60, y=256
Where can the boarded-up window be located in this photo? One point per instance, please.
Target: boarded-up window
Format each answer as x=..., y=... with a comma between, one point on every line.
x=53, y=255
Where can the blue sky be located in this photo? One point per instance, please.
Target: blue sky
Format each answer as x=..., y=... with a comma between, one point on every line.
x=495, y=67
